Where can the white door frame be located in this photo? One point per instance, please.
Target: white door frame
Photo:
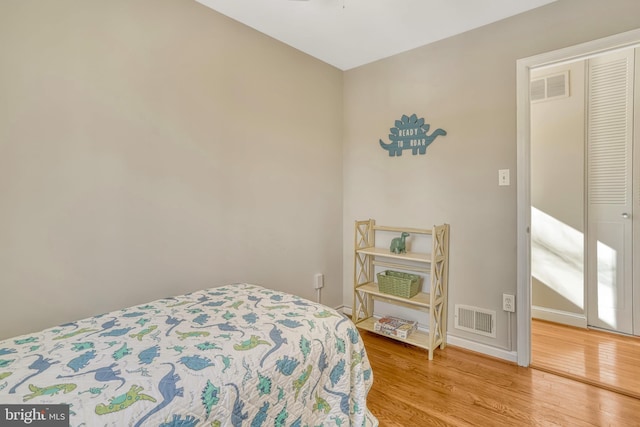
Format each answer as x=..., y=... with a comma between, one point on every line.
x=523, y=69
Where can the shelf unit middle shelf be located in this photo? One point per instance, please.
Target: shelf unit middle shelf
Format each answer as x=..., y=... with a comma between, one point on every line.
x=420, y=300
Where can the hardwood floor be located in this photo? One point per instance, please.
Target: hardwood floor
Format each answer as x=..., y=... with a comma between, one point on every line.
x=462, y=388
x=607, y=360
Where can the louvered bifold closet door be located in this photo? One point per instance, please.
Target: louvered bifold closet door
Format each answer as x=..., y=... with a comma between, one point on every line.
x=609, y=190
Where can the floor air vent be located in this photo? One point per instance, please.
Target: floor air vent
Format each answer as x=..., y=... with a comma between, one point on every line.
x=476, y=320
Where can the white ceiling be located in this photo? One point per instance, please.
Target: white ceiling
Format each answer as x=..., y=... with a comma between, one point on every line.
x=350, y=33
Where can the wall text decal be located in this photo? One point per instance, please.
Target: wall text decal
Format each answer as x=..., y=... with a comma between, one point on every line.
x=410, y=133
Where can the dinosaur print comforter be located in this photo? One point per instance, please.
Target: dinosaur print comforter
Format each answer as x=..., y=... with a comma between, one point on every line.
x=238, y=355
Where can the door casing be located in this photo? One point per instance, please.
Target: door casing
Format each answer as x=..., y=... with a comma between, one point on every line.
x=523, y=69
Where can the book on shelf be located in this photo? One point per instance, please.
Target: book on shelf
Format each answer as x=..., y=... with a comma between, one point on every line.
x=395, y=326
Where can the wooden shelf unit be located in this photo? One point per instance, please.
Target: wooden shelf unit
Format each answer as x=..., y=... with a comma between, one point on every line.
x=436, y=264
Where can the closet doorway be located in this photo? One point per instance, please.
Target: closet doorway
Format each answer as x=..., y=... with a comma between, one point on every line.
x=582, y=145
x=582, y=169
x=575, y=239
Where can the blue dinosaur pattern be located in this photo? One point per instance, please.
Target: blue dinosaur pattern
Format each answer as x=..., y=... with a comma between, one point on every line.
x=203, y=364
x=196, y=363
x=168, y=390
x=81, y=361
x=40, y=365
x=146, y=356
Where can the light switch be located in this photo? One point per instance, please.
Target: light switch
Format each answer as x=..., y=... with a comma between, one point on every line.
x=503, y=177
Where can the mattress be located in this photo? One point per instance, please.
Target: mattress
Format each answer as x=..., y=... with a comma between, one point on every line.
x=237, y=355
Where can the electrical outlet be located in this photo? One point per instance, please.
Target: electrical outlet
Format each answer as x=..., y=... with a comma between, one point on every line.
x=319, y=282
x=508, y=303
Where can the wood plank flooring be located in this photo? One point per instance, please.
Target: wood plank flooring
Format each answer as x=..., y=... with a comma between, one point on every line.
x=462, y=388
x=604, y=359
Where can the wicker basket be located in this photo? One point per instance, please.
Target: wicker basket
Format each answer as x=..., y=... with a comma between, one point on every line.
x=399, y=284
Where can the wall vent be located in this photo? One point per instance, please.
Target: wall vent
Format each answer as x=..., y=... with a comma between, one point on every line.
x=476, y=320
x=549, y=87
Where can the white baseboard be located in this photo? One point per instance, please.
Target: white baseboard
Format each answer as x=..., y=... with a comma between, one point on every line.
x=510, y=356
x=559, y=316
x=488, y=350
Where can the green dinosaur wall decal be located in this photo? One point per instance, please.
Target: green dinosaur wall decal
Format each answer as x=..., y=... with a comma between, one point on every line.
x=410, y=133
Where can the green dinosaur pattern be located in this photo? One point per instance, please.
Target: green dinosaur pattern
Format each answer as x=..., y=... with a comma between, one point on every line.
x=325, y=313
x=236, y=305
x=281, y=418
x=6, y=362
x=121, y=352
x=26, y=341
x=321, y=405
x=208, y=346
x=74, y=333
x=94, y=390
x=251, y=343
x=123, y=401
x=192, y=334
x=82, y=346
x=177, y=348
x=48, y=391
x=210, y=396
x=302, y=380
x=264, y=385
x=144, y=332
x=239, y=355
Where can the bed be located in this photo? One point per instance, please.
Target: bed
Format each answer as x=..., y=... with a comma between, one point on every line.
x=237, y=355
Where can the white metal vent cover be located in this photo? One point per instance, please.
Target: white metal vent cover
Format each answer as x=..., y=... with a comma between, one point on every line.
x=550, y=87
x=474, y=319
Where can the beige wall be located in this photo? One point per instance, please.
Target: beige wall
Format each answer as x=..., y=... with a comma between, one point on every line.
x=467, y=86
x=154, y=147
x=151, y=148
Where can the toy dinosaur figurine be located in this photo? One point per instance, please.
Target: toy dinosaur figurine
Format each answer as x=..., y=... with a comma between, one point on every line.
x=398, y=245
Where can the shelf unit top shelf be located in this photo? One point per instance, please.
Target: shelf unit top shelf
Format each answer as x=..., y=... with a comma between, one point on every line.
x=408, y=256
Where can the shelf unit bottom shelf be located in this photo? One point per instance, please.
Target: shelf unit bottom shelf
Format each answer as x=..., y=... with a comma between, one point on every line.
x=417, y=338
